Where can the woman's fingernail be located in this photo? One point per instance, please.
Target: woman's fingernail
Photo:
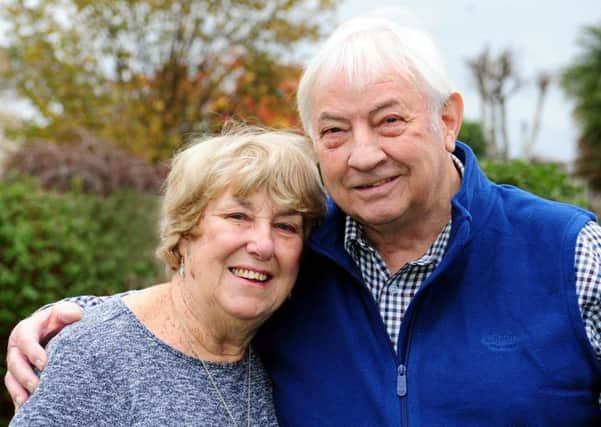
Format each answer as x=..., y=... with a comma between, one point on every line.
x=18, y=402
x=30, y=386
x=39, y=364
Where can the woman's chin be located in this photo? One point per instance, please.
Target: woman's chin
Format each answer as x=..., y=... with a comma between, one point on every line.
x=249, y=309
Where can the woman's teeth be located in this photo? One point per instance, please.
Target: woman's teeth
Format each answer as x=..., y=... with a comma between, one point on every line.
x=249, y=274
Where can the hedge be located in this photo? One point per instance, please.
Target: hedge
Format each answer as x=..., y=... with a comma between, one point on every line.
x=547, y=180
x=54, y=245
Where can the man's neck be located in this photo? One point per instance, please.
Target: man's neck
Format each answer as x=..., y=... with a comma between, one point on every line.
x=402, y=245
x=410, y=237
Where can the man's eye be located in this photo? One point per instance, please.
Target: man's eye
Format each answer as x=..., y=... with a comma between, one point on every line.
x=332, y=137
x=330, y=131
x=392, y=125
x=391, y=120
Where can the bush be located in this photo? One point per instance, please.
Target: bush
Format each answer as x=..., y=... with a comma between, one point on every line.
x=54, y=245
x=547, y=180
x=85, y=162
x=471, y=133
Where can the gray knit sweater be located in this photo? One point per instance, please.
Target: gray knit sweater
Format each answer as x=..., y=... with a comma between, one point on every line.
x=109, y=370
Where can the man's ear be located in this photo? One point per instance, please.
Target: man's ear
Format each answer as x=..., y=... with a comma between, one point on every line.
x=452, y=117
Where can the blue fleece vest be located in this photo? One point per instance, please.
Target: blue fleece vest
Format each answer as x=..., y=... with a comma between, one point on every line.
x=493, y=337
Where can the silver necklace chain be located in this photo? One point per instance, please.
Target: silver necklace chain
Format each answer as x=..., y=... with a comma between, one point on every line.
x=204, y=365
x=206, y=369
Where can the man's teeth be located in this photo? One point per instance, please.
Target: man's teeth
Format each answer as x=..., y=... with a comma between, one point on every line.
x=249, y=274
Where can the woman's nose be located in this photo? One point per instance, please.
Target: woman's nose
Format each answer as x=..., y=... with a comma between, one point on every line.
x=260, y=243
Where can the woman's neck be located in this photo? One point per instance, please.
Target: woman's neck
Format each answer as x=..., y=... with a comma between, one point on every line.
x=198, y=332
x=211, y=334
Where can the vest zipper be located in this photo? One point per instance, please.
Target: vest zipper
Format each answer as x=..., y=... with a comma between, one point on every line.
x=401, y=381
x=402, y=386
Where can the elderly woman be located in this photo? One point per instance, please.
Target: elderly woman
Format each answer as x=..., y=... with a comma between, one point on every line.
x=236, y=211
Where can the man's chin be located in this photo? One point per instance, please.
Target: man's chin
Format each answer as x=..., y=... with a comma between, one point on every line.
x=374, y=219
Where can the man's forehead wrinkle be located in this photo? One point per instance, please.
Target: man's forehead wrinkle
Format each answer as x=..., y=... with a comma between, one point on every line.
x=393, y=102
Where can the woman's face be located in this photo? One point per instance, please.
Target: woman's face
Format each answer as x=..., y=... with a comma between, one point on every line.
x=245, y=259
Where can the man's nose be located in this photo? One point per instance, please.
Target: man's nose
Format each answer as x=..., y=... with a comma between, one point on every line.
x=260, y=241
x=366, y=152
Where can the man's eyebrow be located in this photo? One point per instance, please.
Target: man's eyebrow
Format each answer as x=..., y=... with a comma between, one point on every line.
x=331, y=116
x=384, y=105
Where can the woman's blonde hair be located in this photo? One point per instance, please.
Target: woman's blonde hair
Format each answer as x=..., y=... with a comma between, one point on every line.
x=244, y=160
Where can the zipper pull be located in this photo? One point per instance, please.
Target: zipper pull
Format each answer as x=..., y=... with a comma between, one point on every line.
x=401, y=381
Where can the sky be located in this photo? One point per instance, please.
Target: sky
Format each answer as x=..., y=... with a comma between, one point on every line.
x=544, y=36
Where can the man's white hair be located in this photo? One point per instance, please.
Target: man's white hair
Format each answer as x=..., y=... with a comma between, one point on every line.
x=368, y=47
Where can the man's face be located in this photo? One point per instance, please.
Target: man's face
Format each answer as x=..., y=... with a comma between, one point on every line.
x=383, y=160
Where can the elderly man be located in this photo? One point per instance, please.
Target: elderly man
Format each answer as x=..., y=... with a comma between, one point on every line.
x=429, y=296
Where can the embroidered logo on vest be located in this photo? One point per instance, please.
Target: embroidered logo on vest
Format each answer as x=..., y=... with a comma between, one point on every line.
x=501, y=342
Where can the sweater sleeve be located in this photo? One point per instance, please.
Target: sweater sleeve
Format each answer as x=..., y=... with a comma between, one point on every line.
x=86, y=301
x=70, y=392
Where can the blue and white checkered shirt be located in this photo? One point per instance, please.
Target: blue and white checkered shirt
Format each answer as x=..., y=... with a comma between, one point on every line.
x=393, y=292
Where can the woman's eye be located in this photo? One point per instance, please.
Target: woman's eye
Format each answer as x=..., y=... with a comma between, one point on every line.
x=238, y=216
x=288, y=227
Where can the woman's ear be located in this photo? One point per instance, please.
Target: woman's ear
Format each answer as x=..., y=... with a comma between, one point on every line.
x=183, y=246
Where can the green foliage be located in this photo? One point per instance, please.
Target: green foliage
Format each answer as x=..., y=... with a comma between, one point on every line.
x=471, y=133
x=547, y=180
x=582, y=82
x=55, y=245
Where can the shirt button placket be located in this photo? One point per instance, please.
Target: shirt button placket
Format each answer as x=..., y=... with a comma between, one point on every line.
x=394, y=289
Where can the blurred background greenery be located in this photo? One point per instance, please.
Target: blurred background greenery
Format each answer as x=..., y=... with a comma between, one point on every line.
x=119, y=86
